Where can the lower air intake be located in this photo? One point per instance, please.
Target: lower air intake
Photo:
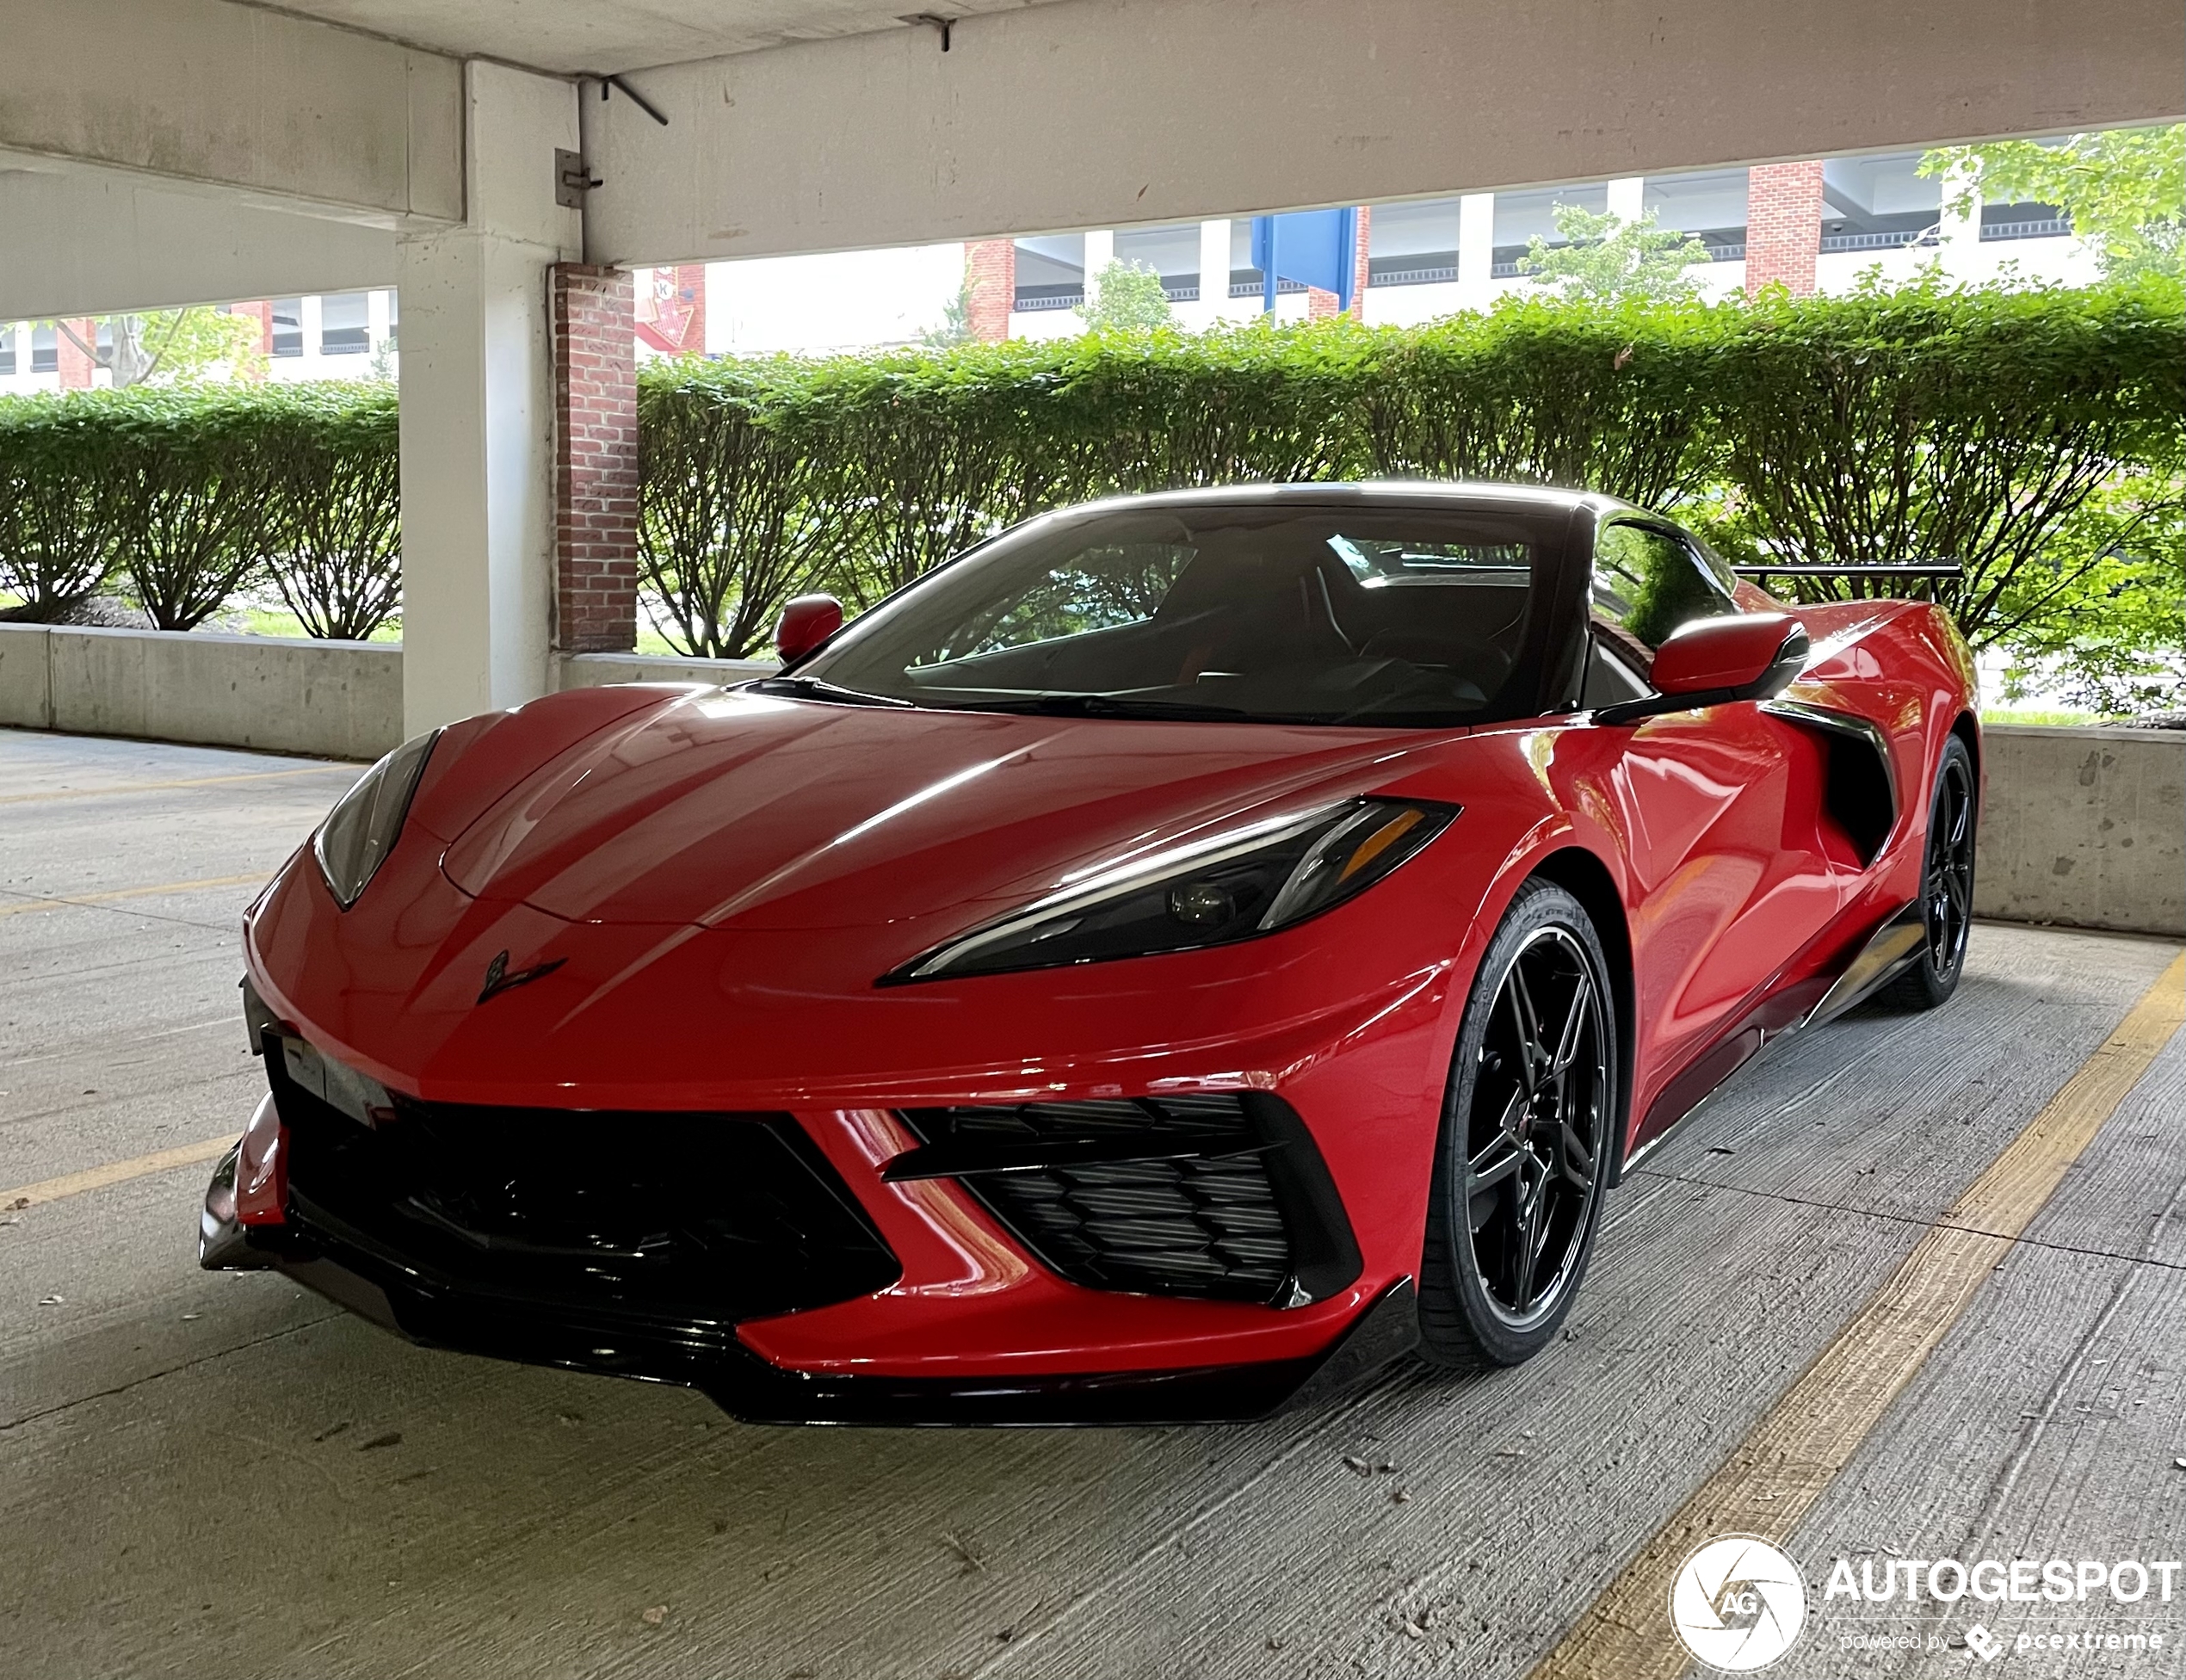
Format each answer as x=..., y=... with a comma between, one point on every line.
x=1215, y=1197
x=680, y=1224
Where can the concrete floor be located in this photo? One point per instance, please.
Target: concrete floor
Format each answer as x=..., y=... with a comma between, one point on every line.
x=210, y=1474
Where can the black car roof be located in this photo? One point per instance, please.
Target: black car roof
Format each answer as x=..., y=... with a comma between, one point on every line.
x=1544, y=498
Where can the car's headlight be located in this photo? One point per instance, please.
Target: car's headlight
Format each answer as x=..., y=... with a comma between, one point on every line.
x=361, y=831
x=1233, y=886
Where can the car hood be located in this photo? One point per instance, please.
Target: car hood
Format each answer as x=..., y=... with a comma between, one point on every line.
x=736, y=809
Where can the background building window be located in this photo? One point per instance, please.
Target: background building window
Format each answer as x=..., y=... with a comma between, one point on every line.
x=45, y=350
x=288, y=326
x=6, y=352
x=344, y=328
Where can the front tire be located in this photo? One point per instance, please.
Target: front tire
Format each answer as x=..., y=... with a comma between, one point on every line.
x=1946, y=884
x=1532, y=1114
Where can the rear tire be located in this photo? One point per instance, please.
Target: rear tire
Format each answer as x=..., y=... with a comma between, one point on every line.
x=1946, y=884
x=1531, y=1115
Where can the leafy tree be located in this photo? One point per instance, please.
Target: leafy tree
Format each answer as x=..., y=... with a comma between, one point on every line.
x=956, y=322
x=2103, y=621
x=171, y=346
x=1127, y=298
x=1606, y=259
x=2125, y=189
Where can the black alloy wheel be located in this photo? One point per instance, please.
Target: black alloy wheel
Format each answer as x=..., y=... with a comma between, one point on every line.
x=1528, y=1129
x=1946, y=884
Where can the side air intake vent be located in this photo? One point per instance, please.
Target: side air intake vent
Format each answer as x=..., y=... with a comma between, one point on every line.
x=1215, y=1197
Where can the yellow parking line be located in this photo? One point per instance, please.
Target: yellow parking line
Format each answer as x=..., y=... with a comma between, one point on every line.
x=187, y=782
x=87, y=899
x=1774, y=1477
x=116, y=1172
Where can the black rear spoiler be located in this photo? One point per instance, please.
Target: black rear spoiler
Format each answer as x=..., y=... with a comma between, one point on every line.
x=1933, y=571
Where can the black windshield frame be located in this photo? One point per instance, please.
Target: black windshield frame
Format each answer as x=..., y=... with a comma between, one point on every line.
x=1547, y=520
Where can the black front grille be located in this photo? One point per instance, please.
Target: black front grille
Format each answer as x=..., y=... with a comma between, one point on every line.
x=685, y=1222
x=1220, y=1197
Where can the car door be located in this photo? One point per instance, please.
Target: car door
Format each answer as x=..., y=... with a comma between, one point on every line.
x=1728, y=880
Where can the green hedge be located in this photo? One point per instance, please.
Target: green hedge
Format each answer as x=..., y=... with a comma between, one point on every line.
x=185, y=496
x=1916, y=424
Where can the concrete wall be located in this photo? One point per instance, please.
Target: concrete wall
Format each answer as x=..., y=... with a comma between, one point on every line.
x=2085, y=828
x=333, y=700
x=336, y=699
x=590, y=671
x=2081, y=827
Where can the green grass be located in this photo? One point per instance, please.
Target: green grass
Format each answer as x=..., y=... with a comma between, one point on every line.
x=2040, y=718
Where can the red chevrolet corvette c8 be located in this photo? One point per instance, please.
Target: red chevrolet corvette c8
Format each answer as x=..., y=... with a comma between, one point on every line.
x=1176, y=957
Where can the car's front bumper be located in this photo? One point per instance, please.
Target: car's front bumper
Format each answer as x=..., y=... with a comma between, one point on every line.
x=436, y=1311
x=837, y=1266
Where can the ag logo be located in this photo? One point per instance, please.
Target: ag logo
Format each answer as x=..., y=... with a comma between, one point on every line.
x=1737, y=1603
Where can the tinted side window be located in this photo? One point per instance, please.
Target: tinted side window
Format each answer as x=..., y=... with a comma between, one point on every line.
x=1647, y=582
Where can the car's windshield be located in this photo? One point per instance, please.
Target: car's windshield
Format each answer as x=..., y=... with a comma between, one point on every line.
x=1314, y=614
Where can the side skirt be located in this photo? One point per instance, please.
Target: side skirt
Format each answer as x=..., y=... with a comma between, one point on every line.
x=1888, y=952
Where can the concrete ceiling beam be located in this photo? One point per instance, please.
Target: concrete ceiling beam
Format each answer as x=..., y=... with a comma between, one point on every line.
x=206, y=93
x=85, y=242
x=1101, y=113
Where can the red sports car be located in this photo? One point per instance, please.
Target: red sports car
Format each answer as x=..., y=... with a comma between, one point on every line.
x=1180, y=955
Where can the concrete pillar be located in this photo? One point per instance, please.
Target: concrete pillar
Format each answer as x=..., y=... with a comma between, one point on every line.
x=1783, y=226
x=1213, y=271
x=1628, y=197
x=376, y=319
x=991, y=272
x=1476, y=249
x=478, y=409
x=596, y=460
x=311, y=320
x=1100, y=251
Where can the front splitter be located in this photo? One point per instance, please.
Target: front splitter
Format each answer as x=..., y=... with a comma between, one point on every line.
x=434, y=1312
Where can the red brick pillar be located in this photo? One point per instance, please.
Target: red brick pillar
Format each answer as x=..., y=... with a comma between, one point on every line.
x=260, y=315
x=991, y=272
x=596, y=460
x=73, y=365
x=1783, y=226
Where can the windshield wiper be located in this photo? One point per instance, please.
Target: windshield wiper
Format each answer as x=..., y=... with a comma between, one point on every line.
x=1107, y=706
x=811, y=687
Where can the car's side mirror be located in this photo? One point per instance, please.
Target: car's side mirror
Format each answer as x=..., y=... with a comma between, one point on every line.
x=1713, y=661
x=805, y=623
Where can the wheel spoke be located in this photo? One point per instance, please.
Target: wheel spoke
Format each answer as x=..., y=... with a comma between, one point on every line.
x=1498, y=1160
x=1567, y=1041
x=1530, y=1047
x=1962, y=808
x=1575, y=1159
x=1528, y=1255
